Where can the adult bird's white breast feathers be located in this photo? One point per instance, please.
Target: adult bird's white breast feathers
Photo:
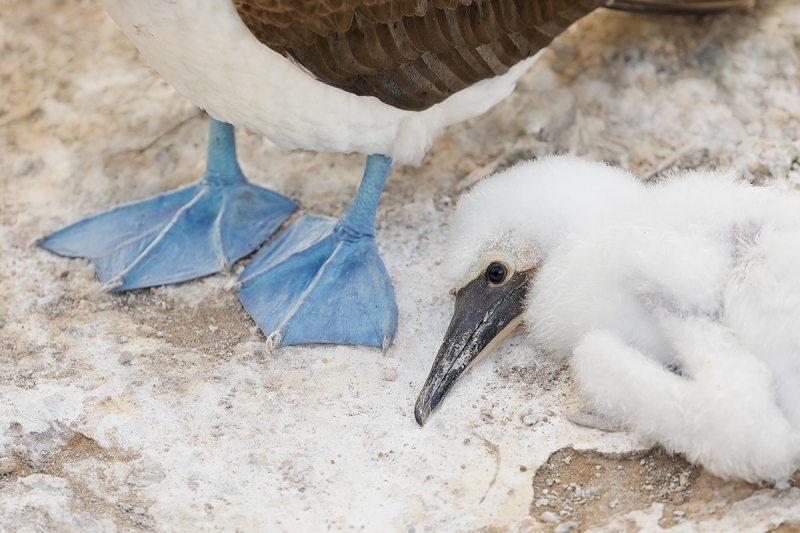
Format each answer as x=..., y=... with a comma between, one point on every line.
x=369, y=76
x=361, y=76
x=676, y=303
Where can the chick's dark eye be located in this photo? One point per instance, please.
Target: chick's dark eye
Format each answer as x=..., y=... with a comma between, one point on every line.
x=496, y=273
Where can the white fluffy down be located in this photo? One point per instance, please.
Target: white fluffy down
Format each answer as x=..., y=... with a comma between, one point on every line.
x=678, y=303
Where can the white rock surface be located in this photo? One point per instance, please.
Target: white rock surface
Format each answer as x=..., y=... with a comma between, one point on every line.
x=190, y=425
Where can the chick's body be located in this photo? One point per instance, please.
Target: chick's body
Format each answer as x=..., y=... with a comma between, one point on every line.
x=677, y=304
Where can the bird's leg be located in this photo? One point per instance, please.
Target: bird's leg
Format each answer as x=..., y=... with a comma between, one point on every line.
x=358, y=219
x=322, y=280
x=180, y=235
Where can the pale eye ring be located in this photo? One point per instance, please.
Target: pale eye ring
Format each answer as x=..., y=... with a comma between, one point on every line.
x=496, y=273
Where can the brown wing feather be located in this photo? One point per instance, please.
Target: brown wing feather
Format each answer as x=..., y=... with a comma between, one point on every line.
x=679, y=7
x=412, y=54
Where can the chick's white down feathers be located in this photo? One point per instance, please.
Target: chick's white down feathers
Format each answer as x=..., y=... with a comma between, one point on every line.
x=677, y=303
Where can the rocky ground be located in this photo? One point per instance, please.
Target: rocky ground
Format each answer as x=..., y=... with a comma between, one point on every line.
x=161, y=410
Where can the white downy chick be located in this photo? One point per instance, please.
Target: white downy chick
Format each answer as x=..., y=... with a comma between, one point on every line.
x=677, y=304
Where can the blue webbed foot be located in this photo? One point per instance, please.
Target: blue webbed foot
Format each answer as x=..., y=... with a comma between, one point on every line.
x=180, y=235
x=322, y=280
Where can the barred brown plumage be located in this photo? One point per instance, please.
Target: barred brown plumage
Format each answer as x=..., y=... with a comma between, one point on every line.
x=412, y=54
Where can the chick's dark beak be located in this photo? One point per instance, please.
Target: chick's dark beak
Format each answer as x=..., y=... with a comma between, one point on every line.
x=485, y=314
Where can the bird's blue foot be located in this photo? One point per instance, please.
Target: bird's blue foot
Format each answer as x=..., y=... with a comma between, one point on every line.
x=193, y=231
x=322, y=280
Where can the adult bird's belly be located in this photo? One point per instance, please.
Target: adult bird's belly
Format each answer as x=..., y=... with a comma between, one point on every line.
x=204, y=50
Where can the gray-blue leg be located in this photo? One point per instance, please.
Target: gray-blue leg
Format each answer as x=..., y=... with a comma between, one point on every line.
x=322, y=280
x=184, y=234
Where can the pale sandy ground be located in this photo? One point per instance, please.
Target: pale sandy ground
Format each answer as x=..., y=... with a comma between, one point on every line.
x=160, y=410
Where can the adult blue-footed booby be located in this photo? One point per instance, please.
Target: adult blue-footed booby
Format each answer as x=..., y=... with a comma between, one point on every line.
x=676, y=304
x=380, y=77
